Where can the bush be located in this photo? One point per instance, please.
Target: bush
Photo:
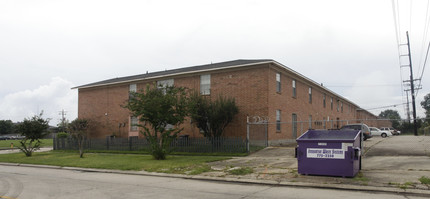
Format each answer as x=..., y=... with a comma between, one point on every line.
x=62, y=135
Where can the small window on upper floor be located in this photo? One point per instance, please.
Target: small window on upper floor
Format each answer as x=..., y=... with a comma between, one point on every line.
x=331, y=103
x=341, y=107
x=310, y=95
x=205, y=84
x=132, y=90
x=324, y=100
x=338, y=105
x=163, y=84
x=294, y=88
x=278, y=82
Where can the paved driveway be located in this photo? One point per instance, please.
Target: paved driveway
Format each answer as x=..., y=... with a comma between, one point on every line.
x=387, y=162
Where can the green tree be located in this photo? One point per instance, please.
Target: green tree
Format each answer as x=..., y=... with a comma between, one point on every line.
x=78, y=129
x=393, y=115
x=34, y=129
x=212, y=116
x=6, y=127
x=163, y=110
x=426, y=106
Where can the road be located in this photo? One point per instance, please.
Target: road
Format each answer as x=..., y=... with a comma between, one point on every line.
x=28, y=182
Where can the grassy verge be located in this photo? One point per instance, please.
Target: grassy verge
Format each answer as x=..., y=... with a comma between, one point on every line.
x=173, y=164
x=6, y=143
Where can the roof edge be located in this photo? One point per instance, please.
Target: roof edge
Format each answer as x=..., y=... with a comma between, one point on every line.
x=175, y=74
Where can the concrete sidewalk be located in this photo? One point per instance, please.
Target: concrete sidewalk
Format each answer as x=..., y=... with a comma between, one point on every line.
x=16, y=150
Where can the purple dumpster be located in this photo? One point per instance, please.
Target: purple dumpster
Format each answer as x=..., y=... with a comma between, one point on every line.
x=329, y=153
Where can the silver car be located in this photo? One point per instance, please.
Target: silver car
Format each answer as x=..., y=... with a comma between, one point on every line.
x=383, y=133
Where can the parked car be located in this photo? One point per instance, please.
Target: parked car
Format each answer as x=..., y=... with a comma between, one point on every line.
x=364, y=129
x=383, y=133
x=4, y=137
x=391, y=129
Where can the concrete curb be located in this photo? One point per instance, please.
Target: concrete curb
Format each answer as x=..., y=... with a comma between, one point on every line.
x=346, y=187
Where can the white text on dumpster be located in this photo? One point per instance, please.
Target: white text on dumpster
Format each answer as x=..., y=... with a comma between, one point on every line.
x=325, y=153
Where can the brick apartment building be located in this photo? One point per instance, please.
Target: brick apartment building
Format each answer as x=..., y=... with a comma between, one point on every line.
x=260, y=87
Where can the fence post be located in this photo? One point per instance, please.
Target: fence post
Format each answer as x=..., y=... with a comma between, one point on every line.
x=107, y=142
x=130, y=143
x=54, y=140
x=247, y=134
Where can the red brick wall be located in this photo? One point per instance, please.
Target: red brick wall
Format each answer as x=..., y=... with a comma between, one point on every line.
x=248, y=87
x=300, y=106
x=254, y=89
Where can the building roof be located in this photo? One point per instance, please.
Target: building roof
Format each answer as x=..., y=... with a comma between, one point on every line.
x=204, y=68
x=185, y=70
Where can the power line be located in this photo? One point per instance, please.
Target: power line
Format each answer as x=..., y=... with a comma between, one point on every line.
x=369, y=85
x=388, y=106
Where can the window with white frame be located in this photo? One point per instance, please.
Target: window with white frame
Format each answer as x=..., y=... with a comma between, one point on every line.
x=341, y=107
x=338, y=105
x=324, y=100
x=163, y=84
x=310, y=121
x=310, y=95
x=278, y=120
x=133, y=123
x=278, y=82
x=205, y=84
x=132, y=90
x=331, y=103
x=294, y=88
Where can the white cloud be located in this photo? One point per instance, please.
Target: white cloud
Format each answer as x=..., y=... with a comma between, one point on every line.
x=50, y=98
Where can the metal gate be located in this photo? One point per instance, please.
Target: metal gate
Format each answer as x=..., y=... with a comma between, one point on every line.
x=257, y=132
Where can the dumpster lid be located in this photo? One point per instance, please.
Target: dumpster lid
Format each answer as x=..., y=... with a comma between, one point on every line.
x=330, y=135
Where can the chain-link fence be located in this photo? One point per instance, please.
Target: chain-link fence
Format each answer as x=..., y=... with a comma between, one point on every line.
x=261, y=132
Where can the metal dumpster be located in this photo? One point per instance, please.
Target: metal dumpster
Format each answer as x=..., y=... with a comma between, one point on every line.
x=329, y=152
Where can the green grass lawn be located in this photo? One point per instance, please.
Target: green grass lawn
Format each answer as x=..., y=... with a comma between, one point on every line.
x=6, y=143
x=173, y=164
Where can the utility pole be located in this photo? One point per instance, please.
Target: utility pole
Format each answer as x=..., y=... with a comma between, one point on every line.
x=414, y=111
x=63, y=118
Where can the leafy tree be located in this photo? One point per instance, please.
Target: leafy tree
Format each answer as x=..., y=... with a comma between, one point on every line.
x=426, y=105
x=212, y=117
x=160, y=109
x=33, y=129
x=78, y=129
x=6, y=127
x=393, y=115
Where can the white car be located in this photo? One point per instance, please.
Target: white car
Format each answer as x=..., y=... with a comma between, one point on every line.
x=391, y=129
x=383, y=133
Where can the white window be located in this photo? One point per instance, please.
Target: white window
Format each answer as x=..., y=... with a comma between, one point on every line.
x=331, y=103
x=278, y=120
x=163, y=84
x=338, y=105
x=310, y=94
x=278, y=82
x=294, y=88
x=324, y=100
x=132, y=89
x=205, y=84
x=133, y=123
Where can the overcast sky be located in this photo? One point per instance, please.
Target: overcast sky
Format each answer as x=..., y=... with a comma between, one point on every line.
x=47, y=47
